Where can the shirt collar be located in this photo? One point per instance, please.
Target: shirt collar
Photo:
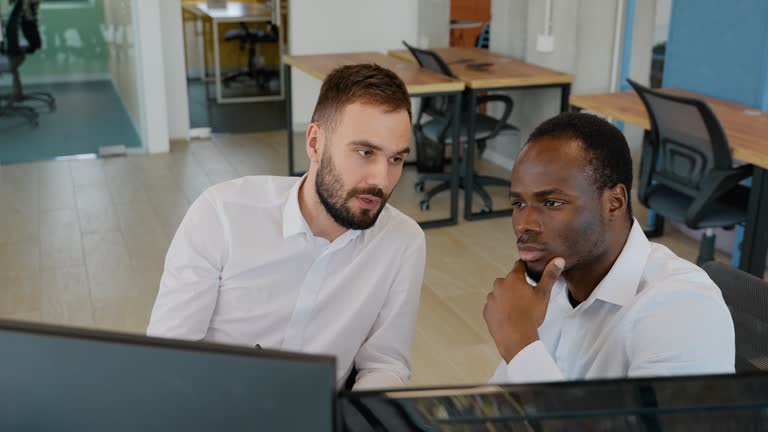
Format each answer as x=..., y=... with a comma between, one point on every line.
x=294, y=222
x=619, y=286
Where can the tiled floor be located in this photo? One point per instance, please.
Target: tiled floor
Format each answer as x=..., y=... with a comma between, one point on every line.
x=82, y=243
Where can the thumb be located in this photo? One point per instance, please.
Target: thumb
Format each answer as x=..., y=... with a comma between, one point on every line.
x=551, y=274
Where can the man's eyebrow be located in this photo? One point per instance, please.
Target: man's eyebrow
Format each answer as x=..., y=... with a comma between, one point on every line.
x=372, y=146
x=548, y=192
x=541, y=193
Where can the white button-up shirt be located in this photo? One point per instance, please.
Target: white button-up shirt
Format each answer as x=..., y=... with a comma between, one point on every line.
x=653, y=314
x=244, y=268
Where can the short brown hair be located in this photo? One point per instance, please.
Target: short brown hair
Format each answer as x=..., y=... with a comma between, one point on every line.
x=368, y=83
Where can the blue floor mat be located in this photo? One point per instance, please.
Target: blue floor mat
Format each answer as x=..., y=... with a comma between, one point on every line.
x=88, y=116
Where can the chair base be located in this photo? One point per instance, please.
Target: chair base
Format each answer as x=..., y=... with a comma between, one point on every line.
x=478, y=184
x=658, y=228
x=706, y=248
x=18, y=100
x=27, y=113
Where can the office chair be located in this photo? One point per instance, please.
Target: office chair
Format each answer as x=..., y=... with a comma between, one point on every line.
x=484, y=38
x=23, y=19
x=7, y=110
x=747, y=299
x=250, y=38
x=434, y=135
x=686, y=170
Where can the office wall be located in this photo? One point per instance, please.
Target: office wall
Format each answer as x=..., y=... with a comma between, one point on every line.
x=434, y=19
x=73, y=45
x=121, y=49
x=343, y=26
x=719, y=49
x=175, y=74
x=150, y=64
x=584, y=36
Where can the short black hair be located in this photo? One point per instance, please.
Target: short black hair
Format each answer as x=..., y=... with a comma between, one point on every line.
x=606, y=148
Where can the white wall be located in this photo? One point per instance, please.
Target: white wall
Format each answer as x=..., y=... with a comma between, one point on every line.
x=584, y=32
x=150, y=63
x=121, y=45
x=433, y=24
x=175, y=73
x=318, y=27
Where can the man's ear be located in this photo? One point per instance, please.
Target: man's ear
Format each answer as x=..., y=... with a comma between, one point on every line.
x=616, y=201
x=315, y=139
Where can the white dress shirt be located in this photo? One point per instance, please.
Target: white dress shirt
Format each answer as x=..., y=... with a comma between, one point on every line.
x=244, y=268
x=653, y=314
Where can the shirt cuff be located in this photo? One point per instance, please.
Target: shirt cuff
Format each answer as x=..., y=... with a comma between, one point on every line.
x=378, y=379
x=532, y=364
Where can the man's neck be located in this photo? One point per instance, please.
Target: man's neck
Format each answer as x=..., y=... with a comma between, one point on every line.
x=583, y=281
x=319, y=221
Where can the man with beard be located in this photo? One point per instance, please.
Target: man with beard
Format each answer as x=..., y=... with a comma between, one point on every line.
x=591, y=297
x=320, y=264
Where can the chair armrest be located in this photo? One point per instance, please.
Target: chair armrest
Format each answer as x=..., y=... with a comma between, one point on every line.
x=508, y=106
x=713, y=186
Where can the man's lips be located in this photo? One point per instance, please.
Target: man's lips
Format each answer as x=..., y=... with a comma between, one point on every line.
x=368, y=201
x=530, y=253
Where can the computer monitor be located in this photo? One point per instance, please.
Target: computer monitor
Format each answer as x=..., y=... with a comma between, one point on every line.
x=63, y=379
x=700, y=403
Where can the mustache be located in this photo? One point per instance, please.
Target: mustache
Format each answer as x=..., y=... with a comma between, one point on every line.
x=373, y=191
x=528, y=239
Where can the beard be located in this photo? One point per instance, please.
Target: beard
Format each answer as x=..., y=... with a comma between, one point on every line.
x=330, y=190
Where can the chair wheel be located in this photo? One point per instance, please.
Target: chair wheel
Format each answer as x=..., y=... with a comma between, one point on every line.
x=419, y=186
x=424, y=205
x=486, y=209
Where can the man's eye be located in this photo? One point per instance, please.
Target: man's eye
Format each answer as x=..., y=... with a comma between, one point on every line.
x=365, y=153
x=551, y=203
x=518, y=204
x=397, y=160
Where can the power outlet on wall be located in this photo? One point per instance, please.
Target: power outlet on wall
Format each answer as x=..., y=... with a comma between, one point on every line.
x=545, y=43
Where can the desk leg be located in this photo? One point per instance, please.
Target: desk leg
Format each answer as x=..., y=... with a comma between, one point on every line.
x=217, y=60
x=289, y=116
x=565, y=95
x=455, y=155
x=755, y=244
x=469, y=155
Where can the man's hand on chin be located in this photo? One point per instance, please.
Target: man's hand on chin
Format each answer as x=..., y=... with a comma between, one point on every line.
x=515, y=309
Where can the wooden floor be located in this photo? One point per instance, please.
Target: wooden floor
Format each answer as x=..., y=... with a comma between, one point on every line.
x=82, y=243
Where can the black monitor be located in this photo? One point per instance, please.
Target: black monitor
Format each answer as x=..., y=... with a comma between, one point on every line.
x=63, y=379
x=696, y=403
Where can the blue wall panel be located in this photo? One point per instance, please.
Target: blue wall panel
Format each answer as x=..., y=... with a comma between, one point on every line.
x=719, y=48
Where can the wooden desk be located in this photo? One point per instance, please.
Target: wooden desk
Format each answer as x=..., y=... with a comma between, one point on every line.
x=417, y=80
x=419, y=83
x=503, y=73
x=235, y=12
x=747, y=135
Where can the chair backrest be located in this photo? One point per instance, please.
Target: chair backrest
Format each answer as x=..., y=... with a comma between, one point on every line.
x=484, y=38
x=430, y=60
x=433, y=106
x=23, y=20
x=687, y=139
x=747, y=299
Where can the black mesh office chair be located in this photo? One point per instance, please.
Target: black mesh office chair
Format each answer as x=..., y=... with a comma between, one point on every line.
x=747, y=299
x=250, y=38
x=686, y=170
x=7, y=110
x=434, y=135
x=23, y=21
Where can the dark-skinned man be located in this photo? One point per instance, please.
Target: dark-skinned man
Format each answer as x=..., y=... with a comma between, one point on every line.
x=591, y=297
